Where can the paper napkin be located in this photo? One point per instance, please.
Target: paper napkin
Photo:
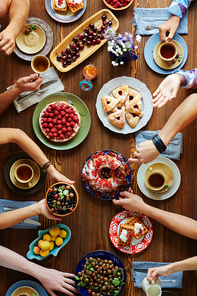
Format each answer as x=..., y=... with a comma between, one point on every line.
x=53, y=88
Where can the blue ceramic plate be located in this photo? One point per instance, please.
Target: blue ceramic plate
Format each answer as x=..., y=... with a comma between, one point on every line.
x=30, y=255
x=113, y=194
x=64, y=17
x=149, y=50
x=103, y=255
x=39, y=289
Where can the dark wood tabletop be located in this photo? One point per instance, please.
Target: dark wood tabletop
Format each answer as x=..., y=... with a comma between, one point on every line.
x=89, y=224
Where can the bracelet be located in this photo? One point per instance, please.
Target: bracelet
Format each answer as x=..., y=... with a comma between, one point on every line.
x=159, y=144
x=45, y=166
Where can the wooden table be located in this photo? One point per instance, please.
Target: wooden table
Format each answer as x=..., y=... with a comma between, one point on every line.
x=90, y=222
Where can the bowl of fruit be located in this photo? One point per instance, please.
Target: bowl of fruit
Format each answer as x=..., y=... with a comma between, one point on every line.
x=118, y=4
x=100, y=273
x=49, y=242
x=62, y=199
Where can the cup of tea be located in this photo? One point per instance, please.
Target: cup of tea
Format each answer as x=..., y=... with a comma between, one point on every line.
x=167, y=51
x=40, y=64
x=24, y=174
x=154, y=179
x=25, y=291
x=152, y=288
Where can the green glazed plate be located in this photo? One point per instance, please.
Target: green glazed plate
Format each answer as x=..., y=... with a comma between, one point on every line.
x=81, y=108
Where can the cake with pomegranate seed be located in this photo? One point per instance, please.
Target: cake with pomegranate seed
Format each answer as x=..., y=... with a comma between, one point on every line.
x=60, y=5
x=75, y=5
x=59, y=121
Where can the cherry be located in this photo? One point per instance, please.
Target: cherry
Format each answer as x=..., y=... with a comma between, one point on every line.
x=80, y=36
x=77, y=55
x=86, y=30
x=67, y=50
x=59, y=57
x=81, y=46
x=75, y=39
x=98, y=40
x=104, y=17
x=91, y=25
x=64, y=64
x=74, y=58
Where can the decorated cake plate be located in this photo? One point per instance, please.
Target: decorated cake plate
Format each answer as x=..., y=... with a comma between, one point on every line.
x=137, y=245
x=108, y=195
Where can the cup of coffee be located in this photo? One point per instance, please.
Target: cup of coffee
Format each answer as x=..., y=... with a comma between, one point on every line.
x=154, y=179
x=40, y=64
x=24, y=174
x=167, y=51
x=152, y=288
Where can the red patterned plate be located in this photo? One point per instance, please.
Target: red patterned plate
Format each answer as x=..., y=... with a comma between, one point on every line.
x=137, y=245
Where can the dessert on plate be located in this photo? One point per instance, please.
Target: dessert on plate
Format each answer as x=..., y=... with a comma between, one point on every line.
x=125, y=236
x=105, y=173
x=60, y=5
x=75, y=5
x=139, y=228
x=59, y=121
x=124, y=106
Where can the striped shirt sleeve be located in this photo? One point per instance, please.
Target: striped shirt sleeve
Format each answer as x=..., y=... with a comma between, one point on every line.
x=189, y=78
x=179, y=7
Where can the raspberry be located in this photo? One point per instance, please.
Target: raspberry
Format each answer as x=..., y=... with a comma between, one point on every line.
x=56, y=112
x=44, y=119
x=53, y=130
x=55, y=135
x=51, y=114
x=72, y=115
x=47, y=130
x=59, y=121
x=63, y=121
x=62, y=113
x=58, y=108
x=63, y=108
x=75, y=118
x=45, y=125
x=61, y=136
x=69, y=119
x=53, y=106
x=69, y=110
x=59, y=117
x=54, y=121
x=59, y=126
x=67, y=124
x=50, y=125
x=50, y=135
x=49, y=109
x=69, y=129
x=64, y=130
x=59, y=132
x=72, y=124
x=49, y=119
x=67, y=115
x=68, y=134
x=46, y=113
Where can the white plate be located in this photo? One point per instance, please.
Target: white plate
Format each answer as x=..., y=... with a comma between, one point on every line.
x=163, y=195
x=134, y=83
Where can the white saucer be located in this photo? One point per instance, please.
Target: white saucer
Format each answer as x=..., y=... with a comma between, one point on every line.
x=163, y=195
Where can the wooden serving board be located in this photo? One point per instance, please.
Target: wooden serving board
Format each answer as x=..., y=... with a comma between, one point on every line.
x=87, y=51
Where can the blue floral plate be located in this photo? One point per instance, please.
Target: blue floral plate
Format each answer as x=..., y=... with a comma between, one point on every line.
x=108, y=195
x=30, y=255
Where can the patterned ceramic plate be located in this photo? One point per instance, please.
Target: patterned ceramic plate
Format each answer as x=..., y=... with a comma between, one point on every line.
x=137, y=85
x=113, y=194
x=137, y=245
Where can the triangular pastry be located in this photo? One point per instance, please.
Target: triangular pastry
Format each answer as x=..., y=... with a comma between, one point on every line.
x=135, y=106
x=132, y=119
x=132, y=94
x=117, y=107
x=118, y=118
x=121, y=93
x=109, y=103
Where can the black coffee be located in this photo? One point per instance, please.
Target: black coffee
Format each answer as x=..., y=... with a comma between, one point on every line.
x=24, y=173
x=156, y=180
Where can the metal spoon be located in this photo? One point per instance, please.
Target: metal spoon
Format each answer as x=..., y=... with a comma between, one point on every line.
x=150, y=27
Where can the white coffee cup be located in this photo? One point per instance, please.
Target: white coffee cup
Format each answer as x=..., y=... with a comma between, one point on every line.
x=40, y=64
x=24, y=174
x=152, y=288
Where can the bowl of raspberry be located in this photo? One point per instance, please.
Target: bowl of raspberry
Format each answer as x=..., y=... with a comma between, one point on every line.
x=118, y=4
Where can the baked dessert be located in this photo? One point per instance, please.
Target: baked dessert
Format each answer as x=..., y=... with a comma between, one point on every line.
x=121, y=93
x=139, y=228
x=125, y=236
x=109, y=103
x=124, y=106
x=117, y=118
x=75, y=5
x=59, y=121
x=105, y=173
x=60, y=5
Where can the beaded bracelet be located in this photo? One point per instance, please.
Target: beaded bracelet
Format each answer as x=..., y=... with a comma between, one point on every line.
x=159, y=144
x=45, y=166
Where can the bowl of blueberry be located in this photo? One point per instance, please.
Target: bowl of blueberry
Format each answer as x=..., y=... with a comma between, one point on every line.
x=62, y=199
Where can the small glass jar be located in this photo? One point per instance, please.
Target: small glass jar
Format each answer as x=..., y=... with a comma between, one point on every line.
x=90, y=72
x=86, y=85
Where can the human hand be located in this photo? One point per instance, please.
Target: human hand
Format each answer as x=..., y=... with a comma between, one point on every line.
x=56, y=176
x=167, y=90
x=154, y=272
x=130, y=201
x=28, y=83
x=168, y=29
x=54, y=280
x=146, y=152
x=45, y=212
x=7, y=41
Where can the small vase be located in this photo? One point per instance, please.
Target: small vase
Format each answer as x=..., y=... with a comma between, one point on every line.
x=124, y=57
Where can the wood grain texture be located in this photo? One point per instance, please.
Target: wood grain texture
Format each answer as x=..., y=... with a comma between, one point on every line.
x=89, y=224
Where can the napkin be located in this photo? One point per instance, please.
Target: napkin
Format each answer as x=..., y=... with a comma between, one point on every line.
x=155, y=16
x=172, y=151
x=56, y=87
x=16, y=205
x=139, y=276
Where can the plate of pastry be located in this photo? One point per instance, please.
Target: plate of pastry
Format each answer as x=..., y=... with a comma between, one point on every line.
x=39, y=40
x=105, y=174
x=130, y=232
x=65, y=11
x=124, y=105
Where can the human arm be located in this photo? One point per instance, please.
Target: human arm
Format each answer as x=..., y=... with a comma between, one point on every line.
x=8, y=219
x=177, y=10
x=178, y=223
x=187, y=264
x=28, y=83
x=18, y=15
x=20, y=138
x=180, y=118
x=51, y=279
